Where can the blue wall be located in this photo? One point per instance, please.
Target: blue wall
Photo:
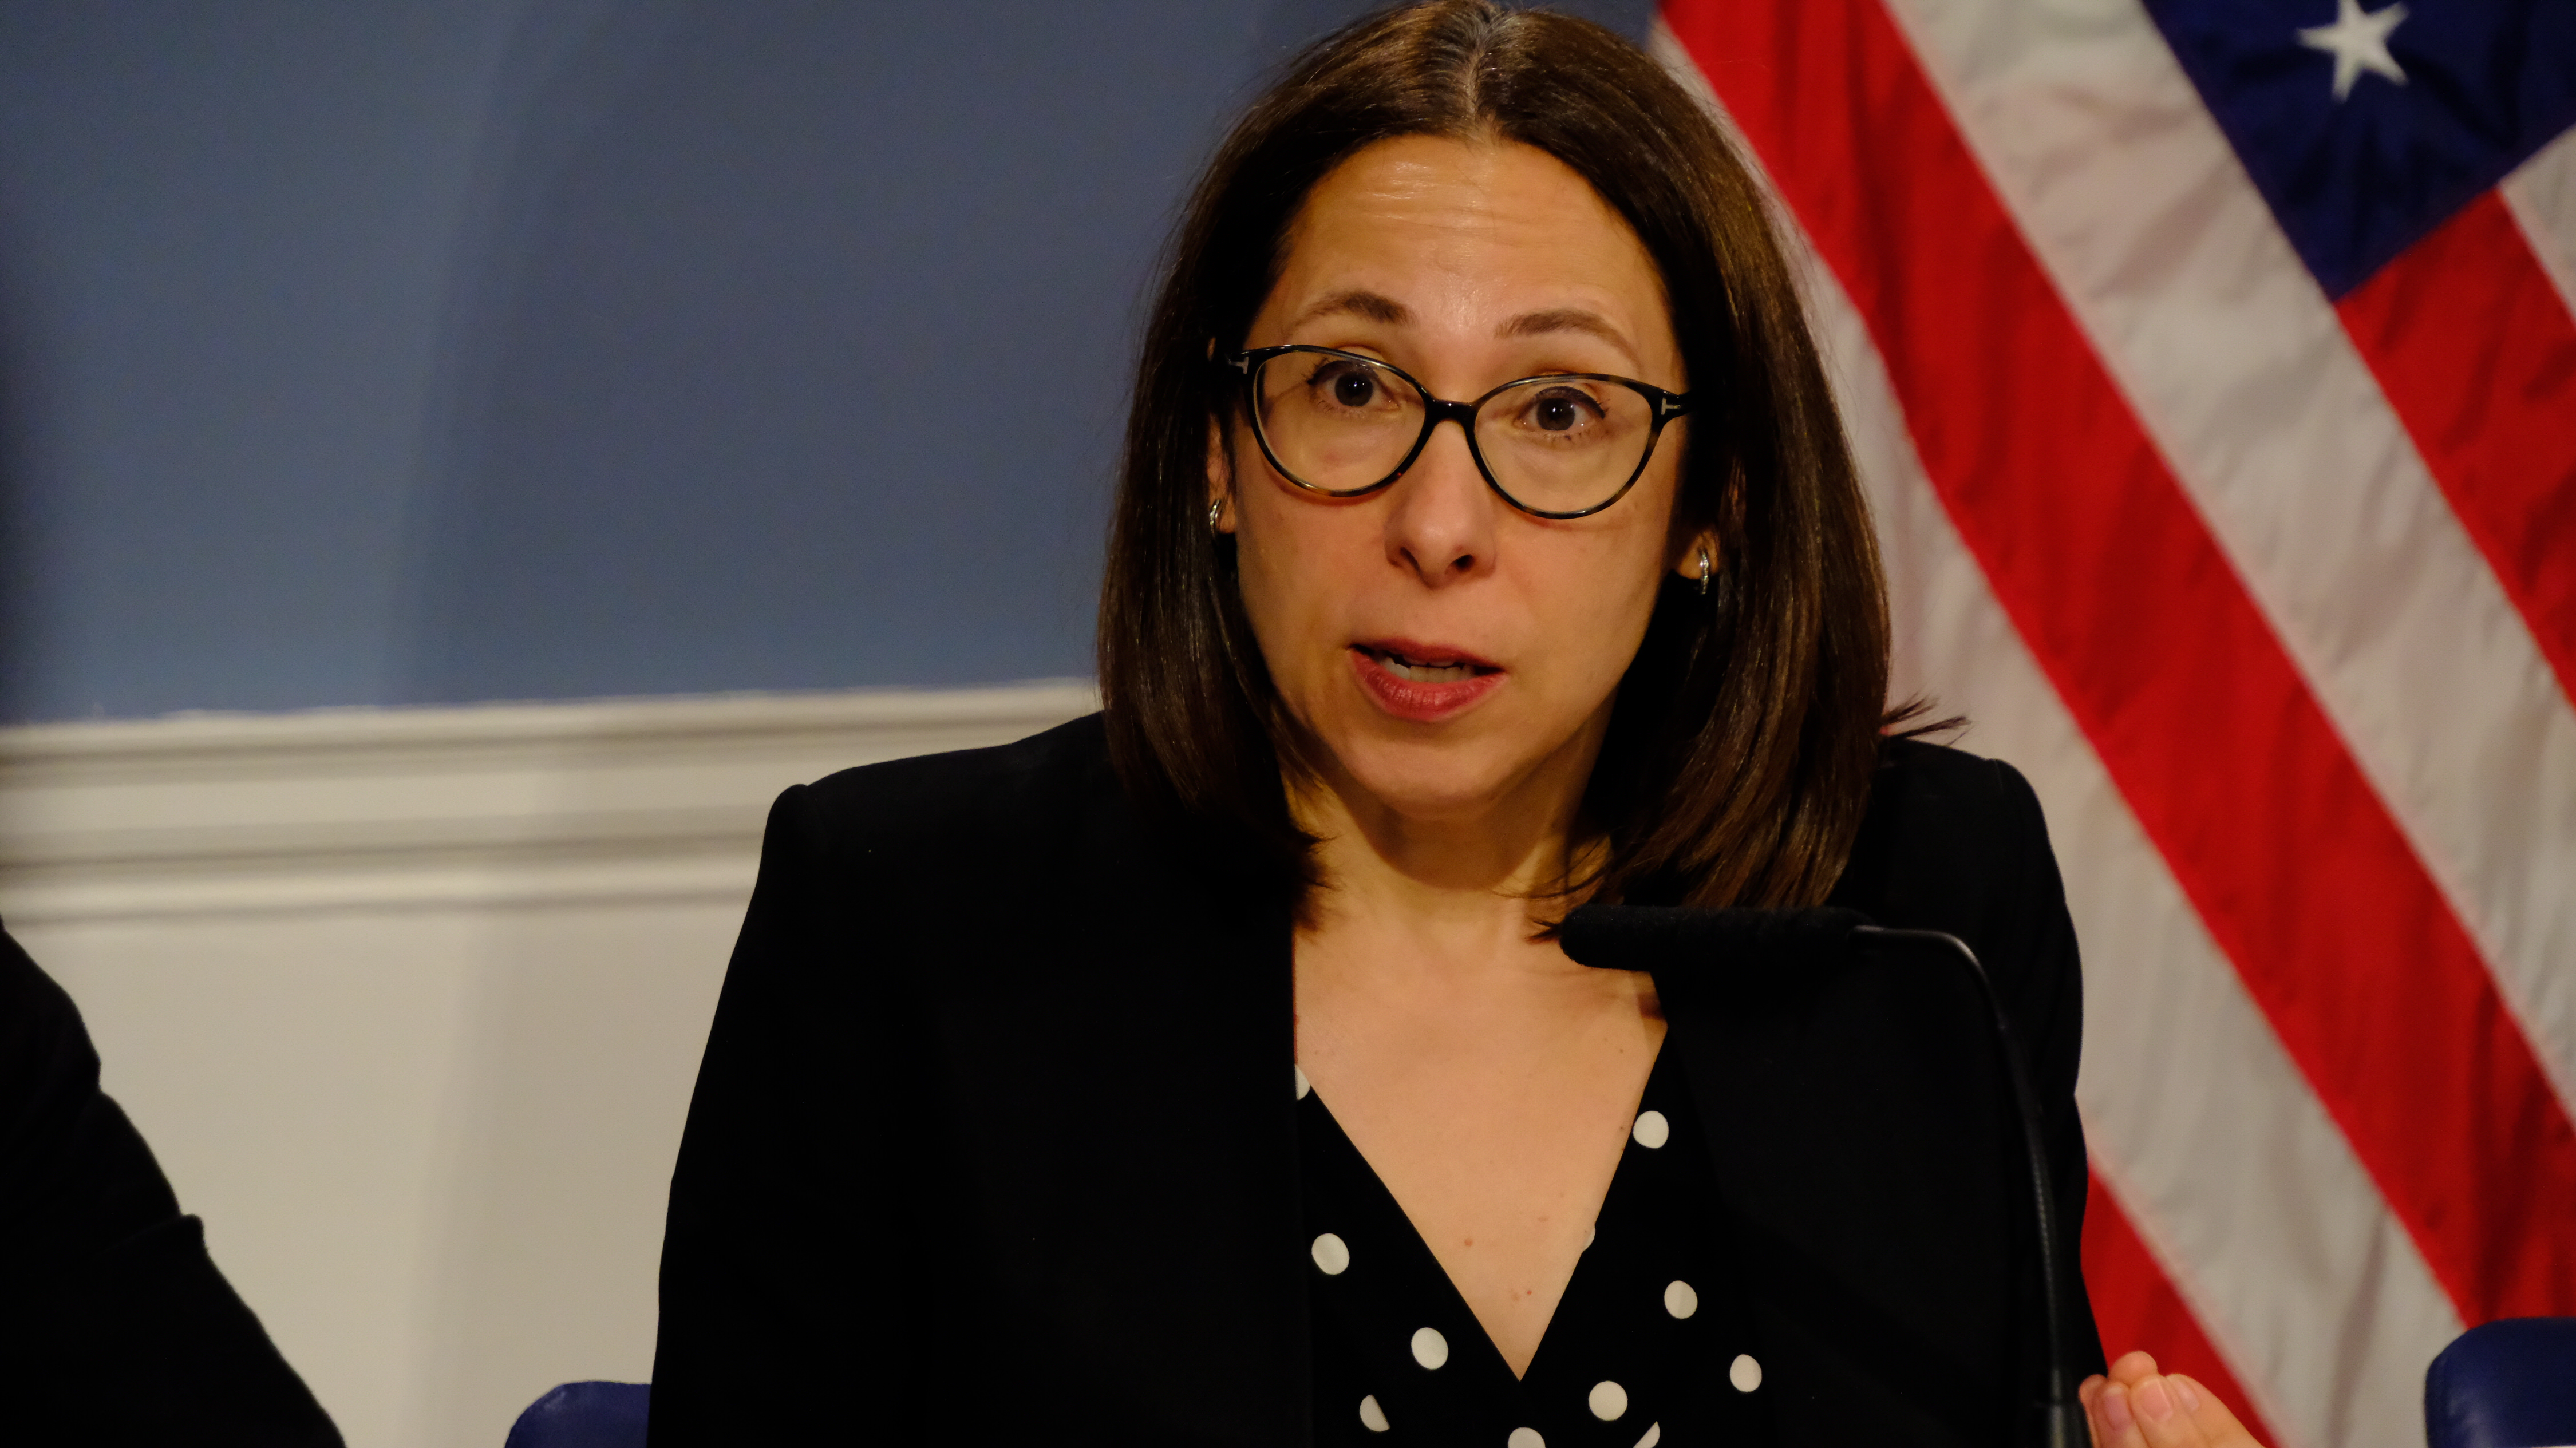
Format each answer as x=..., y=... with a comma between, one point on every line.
x=370, y=353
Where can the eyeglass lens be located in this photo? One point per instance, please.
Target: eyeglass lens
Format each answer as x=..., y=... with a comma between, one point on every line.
x=1552, y=444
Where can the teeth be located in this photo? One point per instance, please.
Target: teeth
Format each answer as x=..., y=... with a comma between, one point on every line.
x=1426, y=673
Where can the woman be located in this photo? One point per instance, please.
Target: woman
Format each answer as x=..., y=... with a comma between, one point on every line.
x=1487, y=544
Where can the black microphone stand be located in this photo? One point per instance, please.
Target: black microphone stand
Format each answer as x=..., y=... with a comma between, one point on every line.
x=2062, y=1415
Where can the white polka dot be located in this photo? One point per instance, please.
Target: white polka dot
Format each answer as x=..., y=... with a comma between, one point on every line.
x=1302, y=1087
x=1372, y=1416
x=1652, y=1129
x=1429, y=1348
x=1526, y=1438
x=1680, y=1298
x=1608, y=1401
x=1654, y=1435
x=1744, y=1372
x=1332, y=1254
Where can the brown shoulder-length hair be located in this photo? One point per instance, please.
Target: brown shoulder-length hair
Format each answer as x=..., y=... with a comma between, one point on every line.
x=1741, y=747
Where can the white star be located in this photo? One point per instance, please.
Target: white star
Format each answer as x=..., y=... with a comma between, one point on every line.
x=2358, y=42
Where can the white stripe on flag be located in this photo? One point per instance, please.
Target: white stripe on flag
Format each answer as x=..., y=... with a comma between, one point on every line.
x=2221, y=1154
x=2541, y=194
x=2239, y=368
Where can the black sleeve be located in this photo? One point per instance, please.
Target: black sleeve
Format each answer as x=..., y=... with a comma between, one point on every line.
x=115, y=1327
x=2043, y=992
x=789, y=1265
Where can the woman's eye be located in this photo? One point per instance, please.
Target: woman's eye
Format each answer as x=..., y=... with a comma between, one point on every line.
x=1563, y=411
x=1354, y=388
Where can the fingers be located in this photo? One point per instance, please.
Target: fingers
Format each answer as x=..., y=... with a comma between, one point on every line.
x=2160, y=1412
x=2117, y=1422
x=2133, y=1368
x=2109, y=1406
x=2114, y=1424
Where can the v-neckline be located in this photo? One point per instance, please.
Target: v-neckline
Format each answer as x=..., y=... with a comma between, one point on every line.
x=1649, y=1341
x=1412, y=1241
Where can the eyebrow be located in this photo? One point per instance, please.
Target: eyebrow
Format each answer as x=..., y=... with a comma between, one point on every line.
x=1370, y=305
x=1565, y=319
x=1378, y=307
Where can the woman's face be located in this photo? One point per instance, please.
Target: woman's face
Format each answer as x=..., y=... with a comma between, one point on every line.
x=1446, y=649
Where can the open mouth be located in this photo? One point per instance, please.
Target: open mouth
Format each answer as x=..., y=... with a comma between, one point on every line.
x=1423, y=682
x=1426, y=670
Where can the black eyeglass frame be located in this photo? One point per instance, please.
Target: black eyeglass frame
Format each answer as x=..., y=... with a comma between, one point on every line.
x=1437, y=410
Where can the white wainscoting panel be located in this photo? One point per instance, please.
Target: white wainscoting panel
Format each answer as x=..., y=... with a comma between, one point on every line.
x=409, y=1002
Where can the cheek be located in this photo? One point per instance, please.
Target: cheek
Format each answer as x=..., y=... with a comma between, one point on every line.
x=1592, y=585
x=1294, y=563
x=1590, y=604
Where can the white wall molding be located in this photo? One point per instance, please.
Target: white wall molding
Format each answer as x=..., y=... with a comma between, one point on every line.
x=661, y=799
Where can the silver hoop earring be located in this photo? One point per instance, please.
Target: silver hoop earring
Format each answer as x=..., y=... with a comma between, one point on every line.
x=1216, y=510
x=1704, y=569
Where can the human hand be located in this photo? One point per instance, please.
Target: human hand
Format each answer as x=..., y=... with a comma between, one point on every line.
x=2135, y=1407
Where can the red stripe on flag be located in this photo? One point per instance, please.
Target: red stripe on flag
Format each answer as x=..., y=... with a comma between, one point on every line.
x=2138, y=1309
x=2090, y=546
x=2477, y=353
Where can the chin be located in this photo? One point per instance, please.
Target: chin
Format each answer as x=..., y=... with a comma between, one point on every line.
x=1430, y=779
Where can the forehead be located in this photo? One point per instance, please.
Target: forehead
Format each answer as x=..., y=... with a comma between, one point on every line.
x=1468, y=234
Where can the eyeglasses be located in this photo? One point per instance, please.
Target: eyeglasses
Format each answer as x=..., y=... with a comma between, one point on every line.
x=1559, y=446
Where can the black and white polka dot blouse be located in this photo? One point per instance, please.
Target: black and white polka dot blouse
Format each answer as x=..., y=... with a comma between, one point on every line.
x=1647, y=1347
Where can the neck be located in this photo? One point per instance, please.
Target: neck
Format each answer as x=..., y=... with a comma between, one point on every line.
x=1457, y=884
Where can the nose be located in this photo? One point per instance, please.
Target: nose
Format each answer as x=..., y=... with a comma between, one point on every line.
x=1440, y=523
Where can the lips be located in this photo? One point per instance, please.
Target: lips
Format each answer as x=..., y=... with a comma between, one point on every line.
x=1422, y=682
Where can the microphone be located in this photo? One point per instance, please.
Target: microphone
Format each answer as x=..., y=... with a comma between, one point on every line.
x=1759, y=943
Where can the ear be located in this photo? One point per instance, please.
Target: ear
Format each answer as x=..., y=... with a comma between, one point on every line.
x=1220, y=475
x=1691, y=547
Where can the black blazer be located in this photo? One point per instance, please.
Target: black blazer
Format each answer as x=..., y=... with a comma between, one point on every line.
x=115, y=1327
x=994, y=1140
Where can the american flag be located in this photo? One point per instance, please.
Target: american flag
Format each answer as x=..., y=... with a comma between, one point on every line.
x=2212, y=367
